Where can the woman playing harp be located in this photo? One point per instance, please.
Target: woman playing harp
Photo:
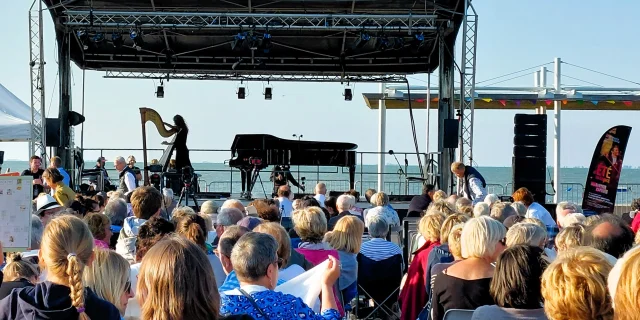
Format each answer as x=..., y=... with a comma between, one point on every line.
x=181, y=130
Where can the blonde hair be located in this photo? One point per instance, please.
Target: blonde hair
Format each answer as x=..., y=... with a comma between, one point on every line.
x=527, y=234
x=457, y=166
x=441, y=207
x=430, y=225
x=569, y=237
x=623, y=285
x=108, y=276
x=282, y=237
x=379, y=199
x=573, y=218
x=455, y=245
x=67, y=247
x=176, y=282
x=346, y=235
x=574, y=286
x=181, y=212
x=449, y=223
x=208, y=207
x=481, y=209
x=310, y=224
x=18, y=269
x=439, y=196
x=480, y=237
x=535, y=221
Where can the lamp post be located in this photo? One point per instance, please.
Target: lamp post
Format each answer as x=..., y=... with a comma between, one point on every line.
x=299, y=136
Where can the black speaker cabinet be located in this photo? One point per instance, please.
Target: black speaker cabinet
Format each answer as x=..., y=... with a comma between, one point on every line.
x=450, y=133
x=53, y=132
x=529, y=161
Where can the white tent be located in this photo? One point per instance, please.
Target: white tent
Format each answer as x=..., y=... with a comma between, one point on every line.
x=15, y=117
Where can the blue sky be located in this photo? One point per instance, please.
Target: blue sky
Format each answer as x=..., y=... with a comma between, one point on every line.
x=512, y=35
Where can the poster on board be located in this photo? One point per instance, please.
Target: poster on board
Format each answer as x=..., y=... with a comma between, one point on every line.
x=15, y=213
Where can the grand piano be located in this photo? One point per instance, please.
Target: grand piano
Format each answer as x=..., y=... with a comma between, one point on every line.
x=258, y=151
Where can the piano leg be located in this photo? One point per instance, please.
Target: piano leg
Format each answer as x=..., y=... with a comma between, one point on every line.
x=352, y=177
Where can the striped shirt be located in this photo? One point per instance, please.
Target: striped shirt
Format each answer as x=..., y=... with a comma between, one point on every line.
x=379, y=249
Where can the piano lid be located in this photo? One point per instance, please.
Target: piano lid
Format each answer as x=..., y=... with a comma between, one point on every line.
x=266, y=141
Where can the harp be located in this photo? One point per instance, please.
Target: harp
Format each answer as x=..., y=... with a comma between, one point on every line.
x=150, y=115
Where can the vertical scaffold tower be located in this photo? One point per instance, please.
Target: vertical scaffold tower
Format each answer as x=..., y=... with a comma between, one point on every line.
x=37, y=145
x=467, y=83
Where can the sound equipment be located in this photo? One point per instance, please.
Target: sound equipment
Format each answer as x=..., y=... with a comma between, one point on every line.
x=529, y=161
x=450, y=139
x=53, y=132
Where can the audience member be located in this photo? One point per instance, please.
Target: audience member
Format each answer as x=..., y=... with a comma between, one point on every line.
x=145, y=203
x=573, y=218
x=610, y=235
x=226, y=217
x=18, y=273
x=181, y=212
x=378, y=248
x=210, y=231
x=420, y=203
x=521, y=209
x=439, y=196
x=331, y=205
x=35, y=172
x=100, y=228
x=465, y=206
x=169, y=203
x=193, y=228
x=633, y=218
x=441, y=253
x=249, y=222
x=452, y=200
x=515, y=287
x=67, y=247
x=56, y=162
x=465, y=285
x=293, y=263
x=501, y=211
x=569, y=237
x=441, y=207
x=128, y=182
x=413, y=296
x=623, y=286
x=491, y=199
x=116, y=211
x=37, y=229
x=380, y=201
x=228, y=240
x=368, y=194
x=346, y=237
x=256, y=261
x=574, y=286
x=285, y=205
x=563, y=209
x=526, y=234
x=481, y=209
x=344, y=204
x=534, y=209
x=108, y=277
x=46, y=208
x=150, y=233
x=60, y=191
x=266, y=211
x=233, y=203
x=321, y=192
x=296, y=204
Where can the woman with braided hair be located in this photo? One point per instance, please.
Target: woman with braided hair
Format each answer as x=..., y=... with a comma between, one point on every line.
x=66, y=248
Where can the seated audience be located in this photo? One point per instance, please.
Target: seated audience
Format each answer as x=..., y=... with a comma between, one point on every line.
x=150, y=233
x=378, y=248
x=464, y=206
x=67, y=247
x=465, y=284
x=441, y=207
x=380, y=201
x=211, y=231
x=452, y=200
x=100, y=228
x=574, y=286
x=633, y=218
x=233, y=203
x=515, y=287
x=521, y=209
x=293, y=263
x=285, y=205
x=256, y=262
x=569, y=237
x=440, y=196
x=116, y=211
x=61, y=192
x=228, y=241
x=441, y=253
x=623, y=285
x=18, y=273
x=534, y=209
x=563, y=209
x=610, y=235
x=573, y=218
x=481, y=209
x=169, y=203
x=266, y=211
x=526, y=234
x=226, y=217
x=331, y=205
x=501, y=211
x=145, y=203
x=321, y=192
x=181, y=212
x=296, y=204
x=420, y=203
x=249, y=222
x=191, y=227
x=513, y=220
x=176, y=282
x=46, y=208
x=368, y=194
x=108, y=277
x=346, y=237
x=344, y=204
x=491, y=199
x=413, y=296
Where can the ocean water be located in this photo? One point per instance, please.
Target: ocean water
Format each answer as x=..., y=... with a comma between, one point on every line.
x=218, y=177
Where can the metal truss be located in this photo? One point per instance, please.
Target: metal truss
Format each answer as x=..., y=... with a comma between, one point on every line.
x=194, y=20
x=468, y=83
x=37, y=145
x=254, y=77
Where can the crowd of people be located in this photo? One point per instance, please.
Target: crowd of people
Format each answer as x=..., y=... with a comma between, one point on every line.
x=134, y=253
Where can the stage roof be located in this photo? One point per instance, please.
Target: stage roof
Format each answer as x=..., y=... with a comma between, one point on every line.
x=306, y=37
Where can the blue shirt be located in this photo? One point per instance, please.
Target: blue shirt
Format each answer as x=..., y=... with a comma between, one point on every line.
x=232, y=282
x=65, y=176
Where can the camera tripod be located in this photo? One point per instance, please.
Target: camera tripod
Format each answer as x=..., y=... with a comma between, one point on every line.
x=186, y=193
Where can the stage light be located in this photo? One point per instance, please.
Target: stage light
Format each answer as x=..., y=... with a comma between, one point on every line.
x=383, y=43
x=238, y=40
x=418, y=41
x=84, y=38
x=253, y=42
x=136, y=37
x=98, y=37
x=160, y=92
x=348, y=94
x=75, y=118
x=362, y=40
x=268, y=93
x=265, y=43
x=241, y=93
x=116, y=39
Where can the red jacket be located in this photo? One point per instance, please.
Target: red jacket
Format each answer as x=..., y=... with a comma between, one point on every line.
x=635, y=224
x=413, y=297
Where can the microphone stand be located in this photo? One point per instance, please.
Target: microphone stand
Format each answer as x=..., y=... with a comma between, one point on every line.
x=400, y=171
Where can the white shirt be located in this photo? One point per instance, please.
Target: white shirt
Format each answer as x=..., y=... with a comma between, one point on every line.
x=130, y=181
x=286, y=207
x=477, y=191
x=321, y=198
x=537, y=211
x=133, y=276
x=291, y=272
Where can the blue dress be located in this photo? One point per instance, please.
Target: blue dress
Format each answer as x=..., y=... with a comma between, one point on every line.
x=275, y=305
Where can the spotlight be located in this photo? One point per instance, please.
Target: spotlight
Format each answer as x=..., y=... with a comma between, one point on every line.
x=98, y=37
x=84, y=38
x=362, y=40
x=117, y=40
x=160, y=92
x=418, y=41
x=348, y=94
x=238, y=40
x=253, y=42
x=241, y=93
x=265, y=43
x=136, y=37
x=383, y=43
x=268, y=93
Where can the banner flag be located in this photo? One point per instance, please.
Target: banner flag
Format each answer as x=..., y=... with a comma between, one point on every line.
x=503, y=103
x=487, y=100
x=627, y=103
x=611, y=101
x=564, y=102
x=548, y=102
x=518, y=103
x=604, y=173
x=534, y=102
x=595, y=102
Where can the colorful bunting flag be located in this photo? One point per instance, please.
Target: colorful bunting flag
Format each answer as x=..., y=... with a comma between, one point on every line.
x=611, y=101
x=518, y=103
x=487, y=100
x=534, y=102
x=564, y=102
x=420, y=100
x=580, y=102
x=548, y=102
x=435, y=100
x=503, y=102
x=595, y=102
x=468, y=99
x=627, y=103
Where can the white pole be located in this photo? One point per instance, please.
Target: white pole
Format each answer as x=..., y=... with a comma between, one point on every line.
x=428, y=108
x=382, y=128
x=557, y=105
x=543, y=83
x=536, y=83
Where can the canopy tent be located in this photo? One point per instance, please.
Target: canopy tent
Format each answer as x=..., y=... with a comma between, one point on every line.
x=15, y=117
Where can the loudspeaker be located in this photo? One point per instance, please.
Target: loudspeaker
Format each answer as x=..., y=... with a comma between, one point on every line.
x=529, y=161
x=53, y=132
x=1, y=157
x=450, y=139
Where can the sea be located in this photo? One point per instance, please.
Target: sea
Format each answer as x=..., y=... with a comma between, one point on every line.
x=219, y=177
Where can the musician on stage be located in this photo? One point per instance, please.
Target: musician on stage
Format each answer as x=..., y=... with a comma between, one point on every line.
x=280, y=176
x=181, y=130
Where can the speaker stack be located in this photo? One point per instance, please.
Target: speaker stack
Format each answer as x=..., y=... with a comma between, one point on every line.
x=530, y=154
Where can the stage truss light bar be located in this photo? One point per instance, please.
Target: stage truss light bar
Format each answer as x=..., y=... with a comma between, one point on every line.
x=255, y=77
x=272, y=21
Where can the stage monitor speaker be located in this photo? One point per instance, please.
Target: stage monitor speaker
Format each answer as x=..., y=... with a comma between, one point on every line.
x=53, y=132
x=450, y=139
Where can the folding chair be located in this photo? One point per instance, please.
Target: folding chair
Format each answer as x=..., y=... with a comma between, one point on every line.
x=409, y=231
x=378, y=283
x=458, y=314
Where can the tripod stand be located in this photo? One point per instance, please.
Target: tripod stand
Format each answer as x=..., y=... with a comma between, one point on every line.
x=186, y=193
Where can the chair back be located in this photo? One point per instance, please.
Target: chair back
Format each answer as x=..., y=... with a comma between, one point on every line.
x=458, y=314
x=380, y=278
